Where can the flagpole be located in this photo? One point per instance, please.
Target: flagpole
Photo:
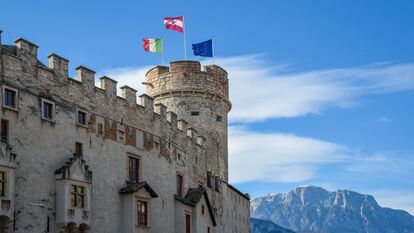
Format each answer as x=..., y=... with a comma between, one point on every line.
x=212, y=48
x=185, y=41
x=162, y=52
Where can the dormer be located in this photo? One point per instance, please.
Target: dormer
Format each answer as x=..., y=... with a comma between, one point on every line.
x=73, y=195
x=7, y=183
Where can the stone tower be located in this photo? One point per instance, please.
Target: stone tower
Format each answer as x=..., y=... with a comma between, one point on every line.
x=201, y=98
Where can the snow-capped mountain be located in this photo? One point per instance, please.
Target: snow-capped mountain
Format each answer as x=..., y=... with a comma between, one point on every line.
x=314, y=209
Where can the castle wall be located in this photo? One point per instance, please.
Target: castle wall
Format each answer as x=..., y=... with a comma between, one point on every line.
x=164, y=146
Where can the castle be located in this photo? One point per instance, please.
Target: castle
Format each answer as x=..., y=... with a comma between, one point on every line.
x=78, y=158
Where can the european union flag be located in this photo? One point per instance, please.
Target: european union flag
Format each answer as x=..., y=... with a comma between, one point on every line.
x=203, y=49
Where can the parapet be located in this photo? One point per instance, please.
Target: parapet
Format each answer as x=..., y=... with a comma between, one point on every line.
x=84, y=85
x=188, y=76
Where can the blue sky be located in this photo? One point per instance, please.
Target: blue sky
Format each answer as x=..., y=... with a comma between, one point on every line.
x=323, y=88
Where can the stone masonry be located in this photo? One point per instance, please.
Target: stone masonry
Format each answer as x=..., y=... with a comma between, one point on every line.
x=79, y=158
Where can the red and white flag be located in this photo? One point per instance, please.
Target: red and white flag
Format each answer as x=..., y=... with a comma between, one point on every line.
x=174, y=23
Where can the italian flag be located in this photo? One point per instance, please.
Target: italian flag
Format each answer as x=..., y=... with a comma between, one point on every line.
x=153, y=45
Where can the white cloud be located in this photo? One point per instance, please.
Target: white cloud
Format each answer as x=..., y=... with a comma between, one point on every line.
x=259, y=92
x=278, y=157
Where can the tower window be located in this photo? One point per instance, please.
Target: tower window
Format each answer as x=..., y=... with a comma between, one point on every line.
x=195, y=113
x=219, y=118
x=10, y=98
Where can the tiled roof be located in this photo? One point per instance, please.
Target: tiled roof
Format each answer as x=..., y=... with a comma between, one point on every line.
x=133, y=187
x=193, y=196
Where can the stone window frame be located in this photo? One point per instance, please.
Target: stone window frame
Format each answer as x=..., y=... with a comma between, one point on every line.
x=16, y=98
x=188, y=213
x=139, y=158
x=136, y=216
x=84, y=195
x=180, y=192
x=53, y=119
x=77, y=117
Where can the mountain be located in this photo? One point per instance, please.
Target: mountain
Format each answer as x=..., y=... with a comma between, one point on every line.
x=266, y=226
x=314, y=209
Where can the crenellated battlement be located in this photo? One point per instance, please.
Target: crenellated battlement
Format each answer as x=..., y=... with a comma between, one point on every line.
x=21, y=66
x=188, y=77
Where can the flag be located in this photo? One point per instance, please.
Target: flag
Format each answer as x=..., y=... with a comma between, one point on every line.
x=203, y=49
x=174, y=23
x=153, y=45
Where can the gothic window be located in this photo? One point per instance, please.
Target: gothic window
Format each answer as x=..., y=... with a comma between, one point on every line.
x=2, y=183
x=77, y=197
x=180, y=180
x=4, y=130
x=134, y=165
x=142, y=213
x=48, y=110
x=10, y=97
x=81, y=117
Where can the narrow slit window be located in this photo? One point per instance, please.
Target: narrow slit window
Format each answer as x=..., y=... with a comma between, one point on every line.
x=2, y=183
x=134, y=165
x=180, y=180
x=78, y=148
x=195, y=113
x=4, y=130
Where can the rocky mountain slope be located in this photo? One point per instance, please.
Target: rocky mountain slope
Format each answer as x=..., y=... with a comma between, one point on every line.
x=314, y=209
x=266, y=226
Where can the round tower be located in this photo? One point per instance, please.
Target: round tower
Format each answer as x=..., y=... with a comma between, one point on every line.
x=200, y=97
